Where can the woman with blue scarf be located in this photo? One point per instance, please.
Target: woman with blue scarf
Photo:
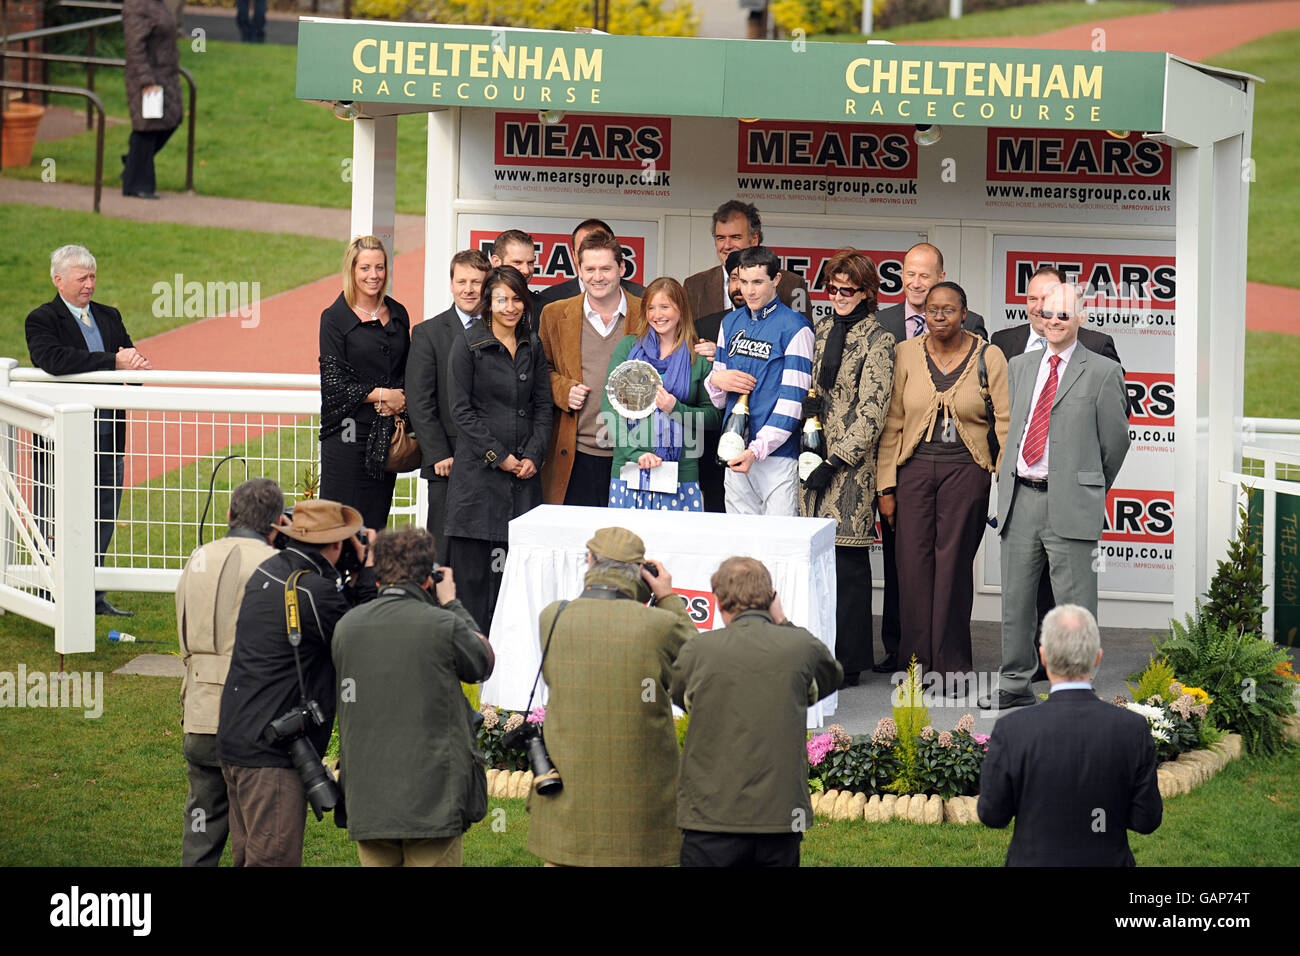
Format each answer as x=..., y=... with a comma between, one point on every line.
x=664, y=336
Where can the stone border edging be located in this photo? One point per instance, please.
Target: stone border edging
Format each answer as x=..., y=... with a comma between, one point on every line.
x=1177, y=776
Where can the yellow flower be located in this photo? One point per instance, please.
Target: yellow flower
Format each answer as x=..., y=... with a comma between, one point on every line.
x=1198, y=695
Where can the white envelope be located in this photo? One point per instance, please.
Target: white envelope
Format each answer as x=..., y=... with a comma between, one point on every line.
x=151, y=103
x=662, y=478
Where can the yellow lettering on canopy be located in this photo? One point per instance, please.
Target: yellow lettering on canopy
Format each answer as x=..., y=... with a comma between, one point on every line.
x=850, y=75
x=356, y=86
x=1026, y=78
x=1087, y=82
x=526, y=61
x=1095, y=115
x=356, y=55
x=950, y=67
x=546, y=94
x=1016, y=111
x=406, y=88
x=503, y=62
x=1044, y=112
x=595, y=97
x=587, y=64
x=850, y=108
x=910, y=69
x=929, y=108
x=876, y=109
x=901, y=104
x=460, y=91
x=455, y=49
x=434, y=68
x=415, y=57
x=974, y=79
x=391, y=55
x=962, y=114
x=383, y=88
x=930, y=88
x=1056, y=82
x=885, y=77
x=999, y=79
x=478, y=54
x=1069, y=112
x=559, y=64
x=986, y=110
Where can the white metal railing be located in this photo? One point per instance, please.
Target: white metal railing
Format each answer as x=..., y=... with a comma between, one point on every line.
x=1280, y=474
x=180, y=425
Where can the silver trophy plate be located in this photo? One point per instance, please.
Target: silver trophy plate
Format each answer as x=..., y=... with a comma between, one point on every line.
x=632, y=388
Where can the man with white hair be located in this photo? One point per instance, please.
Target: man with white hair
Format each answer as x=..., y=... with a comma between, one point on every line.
x=71, y=334
x=1066, y=442
x=1077, y=773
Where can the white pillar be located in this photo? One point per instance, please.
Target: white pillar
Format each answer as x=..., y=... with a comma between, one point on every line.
x=867, y=16
x=442, y=176
x=954, y=9
x=74, y=529
x=374, y=179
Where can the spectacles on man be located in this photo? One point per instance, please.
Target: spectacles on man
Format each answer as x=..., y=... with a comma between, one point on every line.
x=947, y=312
x=844, y=290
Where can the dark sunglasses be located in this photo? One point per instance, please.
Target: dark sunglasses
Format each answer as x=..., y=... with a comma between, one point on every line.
x=841, y=290
x=1063, y=316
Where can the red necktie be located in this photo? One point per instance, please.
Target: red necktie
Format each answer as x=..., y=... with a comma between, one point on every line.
x=1036, y=438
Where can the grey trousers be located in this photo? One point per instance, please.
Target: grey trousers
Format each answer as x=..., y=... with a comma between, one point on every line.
x=1027, y=544
x=207, y=808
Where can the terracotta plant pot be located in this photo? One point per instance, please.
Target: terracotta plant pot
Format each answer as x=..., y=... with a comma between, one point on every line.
x=21, y=121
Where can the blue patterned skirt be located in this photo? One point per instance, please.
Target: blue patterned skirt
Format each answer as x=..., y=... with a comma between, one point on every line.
x=687, y=498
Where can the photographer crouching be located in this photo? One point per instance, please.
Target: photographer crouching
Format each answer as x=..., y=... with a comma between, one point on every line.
x=408, y=758
x=277, y=709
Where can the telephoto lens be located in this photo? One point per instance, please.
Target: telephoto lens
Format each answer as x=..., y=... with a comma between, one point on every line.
x=322, y=790
x=546, y=779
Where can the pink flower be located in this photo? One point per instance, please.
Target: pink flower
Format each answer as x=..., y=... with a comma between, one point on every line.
x=981, y=739
x=818, y=748
x=537, y=715
x=839, y=737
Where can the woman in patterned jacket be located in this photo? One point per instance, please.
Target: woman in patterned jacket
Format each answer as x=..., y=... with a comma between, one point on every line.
x=852, y=373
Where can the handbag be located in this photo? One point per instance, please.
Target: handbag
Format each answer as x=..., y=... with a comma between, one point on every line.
x=403, y=448
x=994, y=445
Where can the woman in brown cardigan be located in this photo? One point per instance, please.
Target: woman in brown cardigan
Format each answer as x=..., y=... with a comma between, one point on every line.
x=933, y=471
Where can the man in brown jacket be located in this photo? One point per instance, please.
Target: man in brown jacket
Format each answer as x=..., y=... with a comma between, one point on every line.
x=208, y=599
x=580, y=335
x=743, y=796
x=609, y=722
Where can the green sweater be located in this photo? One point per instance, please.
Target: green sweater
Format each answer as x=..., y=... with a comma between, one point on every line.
x=695, y=414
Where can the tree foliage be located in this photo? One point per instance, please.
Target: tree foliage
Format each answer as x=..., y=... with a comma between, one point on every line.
x=626, y=17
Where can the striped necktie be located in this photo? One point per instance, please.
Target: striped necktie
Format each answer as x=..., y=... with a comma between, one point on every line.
x=1036, y=438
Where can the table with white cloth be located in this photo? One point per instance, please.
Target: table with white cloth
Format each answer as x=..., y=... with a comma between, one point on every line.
x=548, y=559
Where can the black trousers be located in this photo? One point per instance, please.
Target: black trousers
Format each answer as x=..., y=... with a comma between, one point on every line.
x=477, y=566
x=138, y=173
x=853, y=641
x=589, y=481
x=436, y=521
x=740, y=849
x=207, y=808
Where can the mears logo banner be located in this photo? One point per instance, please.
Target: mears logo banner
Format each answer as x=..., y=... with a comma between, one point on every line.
x=1139, y=516
x=584, y=141
x=852, y=150
x=555, y=258
x=1077, y=156
x=1110, y=279
x=700, y=605
x=1150, y=398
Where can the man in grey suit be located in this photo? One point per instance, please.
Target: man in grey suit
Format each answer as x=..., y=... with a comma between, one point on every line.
x=429, y=387
x=1066, y=442
x=922, y=269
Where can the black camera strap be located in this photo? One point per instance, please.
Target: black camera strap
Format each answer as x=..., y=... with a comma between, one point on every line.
x=293, y=625
x=545, y=649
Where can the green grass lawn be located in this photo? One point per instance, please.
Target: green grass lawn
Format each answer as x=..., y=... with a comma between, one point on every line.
x=254, y=139
x=110, y=791
x=132, y=256
x=1275, y=147
x=1014, y=21
x=1272, y=373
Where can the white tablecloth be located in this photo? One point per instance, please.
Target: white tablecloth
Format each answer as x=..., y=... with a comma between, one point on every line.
x=548, y=558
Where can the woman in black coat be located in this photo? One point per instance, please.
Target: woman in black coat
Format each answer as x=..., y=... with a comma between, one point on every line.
x=364, y=338
x=501, y=401
x=152, y=62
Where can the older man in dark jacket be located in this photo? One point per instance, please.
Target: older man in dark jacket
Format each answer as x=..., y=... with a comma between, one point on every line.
x=408, y=760
x=742, y=799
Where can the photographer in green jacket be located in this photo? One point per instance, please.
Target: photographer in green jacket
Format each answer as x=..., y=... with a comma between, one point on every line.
x=408, y=762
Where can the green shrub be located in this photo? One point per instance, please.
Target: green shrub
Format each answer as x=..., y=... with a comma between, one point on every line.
x=627, y=18
x=1240, y=672
x=911, y=716
x=1152, y=681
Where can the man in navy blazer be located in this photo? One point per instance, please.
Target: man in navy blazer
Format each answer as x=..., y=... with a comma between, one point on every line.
x=1076, y=773
x=71, y=334
x=429, y=389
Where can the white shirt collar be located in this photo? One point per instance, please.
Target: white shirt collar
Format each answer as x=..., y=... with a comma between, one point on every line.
x=465, y=317
x=595, y=319
x=77, y=311
x=1071, y=685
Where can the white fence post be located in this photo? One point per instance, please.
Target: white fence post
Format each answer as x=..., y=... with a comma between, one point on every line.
x=74, y=529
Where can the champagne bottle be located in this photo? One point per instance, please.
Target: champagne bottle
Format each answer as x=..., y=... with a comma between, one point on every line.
x=812, y=444
x=735, y=432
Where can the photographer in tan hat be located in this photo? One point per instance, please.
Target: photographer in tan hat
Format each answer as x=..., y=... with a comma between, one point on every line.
x=609, y=718
x=270, y=678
